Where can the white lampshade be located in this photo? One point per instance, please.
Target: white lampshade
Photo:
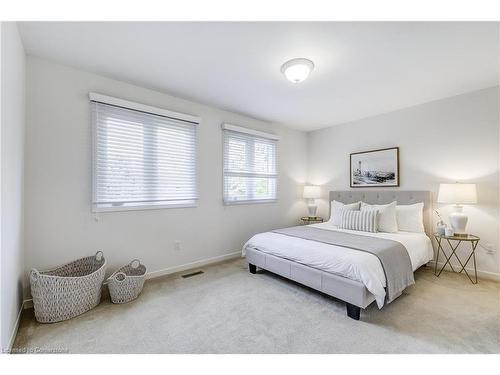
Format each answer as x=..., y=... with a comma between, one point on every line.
x=312, y=191
x=457, y=193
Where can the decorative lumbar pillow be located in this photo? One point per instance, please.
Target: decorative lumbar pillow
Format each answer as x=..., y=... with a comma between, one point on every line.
x=365, y=221
x=387, y=216
x=410, y=217
x=336, y=209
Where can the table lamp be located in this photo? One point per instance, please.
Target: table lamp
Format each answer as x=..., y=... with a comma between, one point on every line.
x=458, y=194
x=311, y=192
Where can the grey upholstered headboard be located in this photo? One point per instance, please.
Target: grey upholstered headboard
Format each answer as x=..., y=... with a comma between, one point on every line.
x=388, y=196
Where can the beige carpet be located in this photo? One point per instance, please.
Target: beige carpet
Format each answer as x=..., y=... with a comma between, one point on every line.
x=228, y=310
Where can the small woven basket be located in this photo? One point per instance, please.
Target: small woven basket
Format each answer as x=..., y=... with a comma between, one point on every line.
x=68, y=290
x=126, y=283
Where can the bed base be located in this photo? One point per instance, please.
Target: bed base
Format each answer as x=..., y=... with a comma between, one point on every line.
x=353, y=311
x=353, y=293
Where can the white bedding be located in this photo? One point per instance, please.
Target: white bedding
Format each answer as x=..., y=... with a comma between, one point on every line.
x=353, y=264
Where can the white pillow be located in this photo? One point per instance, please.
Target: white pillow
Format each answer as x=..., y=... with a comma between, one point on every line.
x=338, y=207
x=410, y=217
x=387, y=216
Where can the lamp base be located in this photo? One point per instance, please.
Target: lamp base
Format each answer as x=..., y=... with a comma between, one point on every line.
x=311, y=209
x=458, y=221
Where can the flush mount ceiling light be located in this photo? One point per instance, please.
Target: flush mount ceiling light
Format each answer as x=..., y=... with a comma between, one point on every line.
x=297, y=70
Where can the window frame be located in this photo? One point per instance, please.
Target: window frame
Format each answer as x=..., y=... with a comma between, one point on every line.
x=109, y=100
x=256, y=134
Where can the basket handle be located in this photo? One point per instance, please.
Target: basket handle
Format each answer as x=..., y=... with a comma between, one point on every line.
x=34, y=274
x=135, y=261
x=99, y=255
x=120, y=277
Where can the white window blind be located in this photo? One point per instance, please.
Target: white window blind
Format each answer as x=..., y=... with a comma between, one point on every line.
x=250, y=171
x=141, y=159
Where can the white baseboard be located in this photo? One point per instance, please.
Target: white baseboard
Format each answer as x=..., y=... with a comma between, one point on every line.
x=480, y=274
x=187, y=266
x=15, y=329
x=28, y=303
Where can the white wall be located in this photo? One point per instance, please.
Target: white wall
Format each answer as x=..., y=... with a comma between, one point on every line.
x=12, y=162
x=455, y=139
x=59, y=224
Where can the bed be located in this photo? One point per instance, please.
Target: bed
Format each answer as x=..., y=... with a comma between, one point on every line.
x=353, y=276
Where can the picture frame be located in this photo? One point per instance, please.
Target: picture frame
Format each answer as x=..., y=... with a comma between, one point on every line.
x=374, y=168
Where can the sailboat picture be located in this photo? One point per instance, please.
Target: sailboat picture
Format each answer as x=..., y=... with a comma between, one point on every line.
x=375, y=168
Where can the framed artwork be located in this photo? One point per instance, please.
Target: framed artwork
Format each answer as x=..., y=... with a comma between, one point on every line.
x=376, y=168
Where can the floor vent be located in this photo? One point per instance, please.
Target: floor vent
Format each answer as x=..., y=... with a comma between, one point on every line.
x=196, y=273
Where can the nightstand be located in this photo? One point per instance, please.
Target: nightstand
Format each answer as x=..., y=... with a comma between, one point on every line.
x=311, y=220
x=474, y=240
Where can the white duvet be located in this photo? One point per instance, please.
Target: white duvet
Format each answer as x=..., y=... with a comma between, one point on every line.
x=353, y=264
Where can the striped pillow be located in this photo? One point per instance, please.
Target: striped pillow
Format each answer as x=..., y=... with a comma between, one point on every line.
x=366, y=221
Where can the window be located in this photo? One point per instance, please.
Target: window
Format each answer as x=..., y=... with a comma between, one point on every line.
x=250, y=173
x=143, y=157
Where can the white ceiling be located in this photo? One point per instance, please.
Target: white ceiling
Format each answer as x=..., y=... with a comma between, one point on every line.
x=362, y=69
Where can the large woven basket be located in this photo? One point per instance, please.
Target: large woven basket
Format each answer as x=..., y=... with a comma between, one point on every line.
x=126, y=283
x=68, y=290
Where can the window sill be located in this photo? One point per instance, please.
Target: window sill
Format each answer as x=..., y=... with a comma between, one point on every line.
x=142, y=207
x=261, y=201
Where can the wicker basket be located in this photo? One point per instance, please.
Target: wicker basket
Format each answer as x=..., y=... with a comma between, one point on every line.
x=126, y=283
x=68, y=290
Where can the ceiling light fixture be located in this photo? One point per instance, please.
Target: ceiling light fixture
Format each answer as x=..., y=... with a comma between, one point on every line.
x=297, y=70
